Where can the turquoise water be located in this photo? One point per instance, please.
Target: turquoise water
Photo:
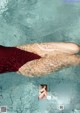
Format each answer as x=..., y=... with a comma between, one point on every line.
x=29, y=21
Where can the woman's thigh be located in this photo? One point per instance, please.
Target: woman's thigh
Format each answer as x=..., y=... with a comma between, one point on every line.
x=70, y=48
x=50, y=48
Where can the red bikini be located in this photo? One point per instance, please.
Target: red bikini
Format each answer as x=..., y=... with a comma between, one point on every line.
x=12, y=58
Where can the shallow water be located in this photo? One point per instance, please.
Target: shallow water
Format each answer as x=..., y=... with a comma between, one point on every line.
x=29, y=21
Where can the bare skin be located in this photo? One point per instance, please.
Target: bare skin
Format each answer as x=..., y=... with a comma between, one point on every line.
x=43, y=93
x=54, y=56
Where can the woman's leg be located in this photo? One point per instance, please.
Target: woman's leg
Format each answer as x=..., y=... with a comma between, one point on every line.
x=70, y=48
x=50, y=48
x=49, y=64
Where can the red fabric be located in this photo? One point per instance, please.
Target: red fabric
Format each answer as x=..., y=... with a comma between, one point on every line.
x=12, y=58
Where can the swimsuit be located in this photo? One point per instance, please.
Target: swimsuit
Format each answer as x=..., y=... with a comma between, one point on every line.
x=12, y=58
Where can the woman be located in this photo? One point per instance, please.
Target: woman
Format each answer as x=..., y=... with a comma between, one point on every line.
x=43, y=92
x=39, y=58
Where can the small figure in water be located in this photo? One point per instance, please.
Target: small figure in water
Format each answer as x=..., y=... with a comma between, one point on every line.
x=43, y=92
x=39, y=58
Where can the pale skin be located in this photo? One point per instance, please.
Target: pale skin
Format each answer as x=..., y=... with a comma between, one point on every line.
x=43, y=93
x=54, y=56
